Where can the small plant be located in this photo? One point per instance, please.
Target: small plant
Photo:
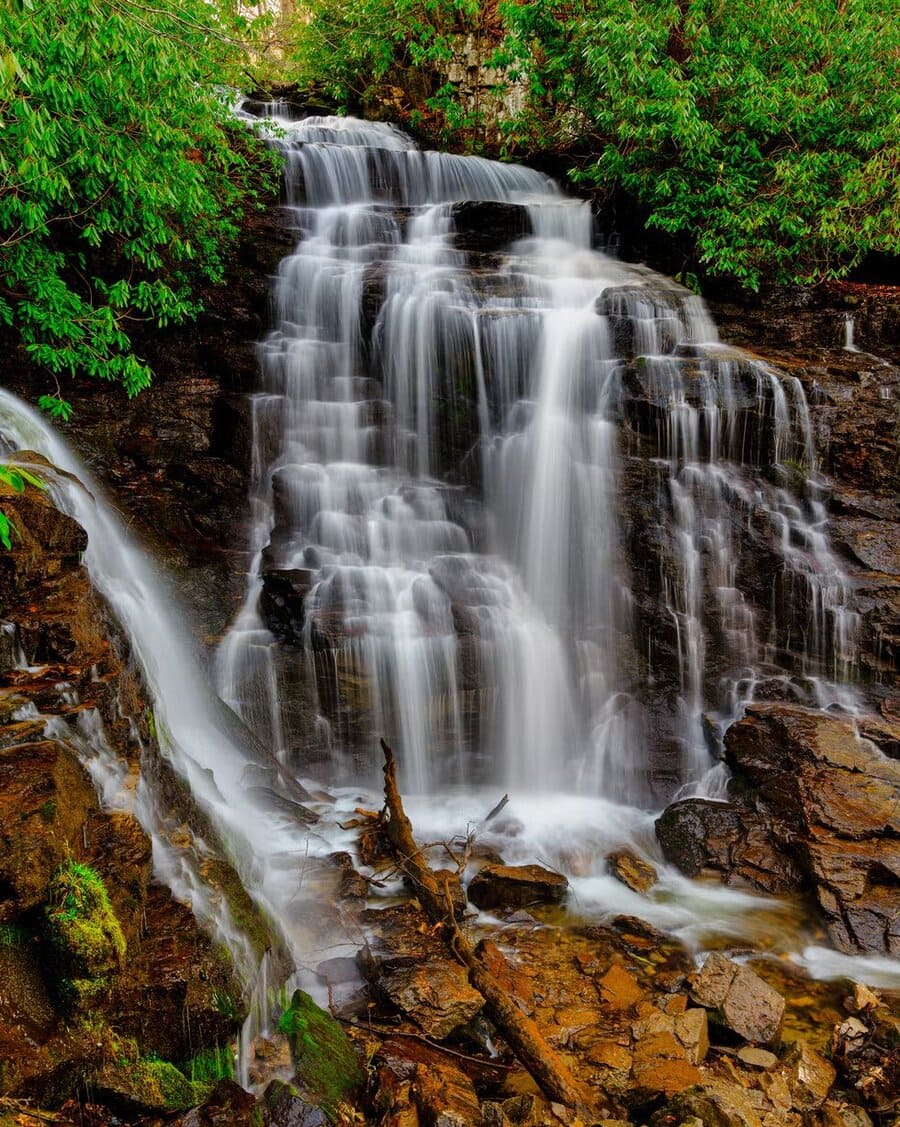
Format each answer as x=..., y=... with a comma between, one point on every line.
x=16, y=478
x=208, y=1067
x=83, y=929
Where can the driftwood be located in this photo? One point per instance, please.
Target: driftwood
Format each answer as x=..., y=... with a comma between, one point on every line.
x=434, y=893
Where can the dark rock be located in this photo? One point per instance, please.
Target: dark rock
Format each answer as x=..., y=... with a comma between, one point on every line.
x=281, y=602
x=516, y=886
x=482, y=225
x=283, y=1106
x=699, y=836
x=351, y=885
x=227, y=1105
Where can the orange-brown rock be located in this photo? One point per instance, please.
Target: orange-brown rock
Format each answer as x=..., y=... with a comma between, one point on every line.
x=45, y=799
x=619, y=988
x=634, y=871
x=407, y=965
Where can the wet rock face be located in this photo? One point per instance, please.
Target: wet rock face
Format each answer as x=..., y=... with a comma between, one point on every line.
x=177, y=456
x=516, y=886
x=701, y=836
x=815, y=808
x=122, y=972
x=489, y=226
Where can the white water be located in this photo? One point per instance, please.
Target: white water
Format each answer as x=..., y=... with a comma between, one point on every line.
x=492, y=638
x=217, y=759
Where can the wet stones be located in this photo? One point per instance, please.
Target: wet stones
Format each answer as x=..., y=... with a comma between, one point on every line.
x=809, y=1076
x=516, y=886
x=639, y=875
x=743, y=1001
x=489, y=226
x=407, y=966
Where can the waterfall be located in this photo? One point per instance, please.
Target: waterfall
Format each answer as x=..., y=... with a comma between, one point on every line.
x=228, y=773
x=441, y=440
x=501, y=489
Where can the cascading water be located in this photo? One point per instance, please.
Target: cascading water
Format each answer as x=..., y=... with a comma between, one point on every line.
x=439, y=449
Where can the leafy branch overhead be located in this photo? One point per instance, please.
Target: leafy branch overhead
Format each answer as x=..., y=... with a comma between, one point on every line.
x=764, y=135
x=122, y=174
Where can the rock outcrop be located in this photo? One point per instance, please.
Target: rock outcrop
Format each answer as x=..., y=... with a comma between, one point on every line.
x=107, y=982
x=815, y=808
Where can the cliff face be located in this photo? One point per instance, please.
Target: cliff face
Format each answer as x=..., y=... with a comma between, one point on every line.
x=854, y=400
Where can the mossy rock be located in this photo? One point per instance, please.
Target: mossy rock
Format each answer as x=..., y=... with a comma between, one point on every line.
x=84, y=931
x=327, y=1066
x=208, y=1067
x=144, y=1086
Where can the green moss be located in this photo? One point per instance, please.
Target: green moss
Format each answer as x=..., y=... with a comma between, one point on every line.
x=13, y=936
x=84, y=931
x=47, y=810
x=326, y=1062
x=147, y=1082
x=208, y=1067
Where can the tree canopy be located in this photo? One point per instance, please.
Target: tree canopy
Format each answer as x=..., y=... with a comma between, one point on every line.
x=122, y=173
x=767, y=134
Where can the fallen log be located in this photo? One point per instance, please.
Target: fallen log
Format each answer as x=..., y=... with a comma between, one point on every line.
x=434, y=892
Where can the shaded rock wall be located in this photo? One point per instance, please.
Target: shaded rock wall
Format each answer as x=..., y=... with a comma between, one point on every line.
x=176, y=457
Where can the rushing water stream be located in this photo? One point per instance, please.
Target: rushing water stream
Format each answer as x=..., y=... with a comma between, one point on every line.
x=444, y=446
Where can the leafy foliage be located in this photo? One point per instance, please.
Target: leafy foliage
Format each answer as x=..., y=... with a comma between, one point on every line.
x=121, y=174
x=16, y=478
x=765, y=134
x=350, y=46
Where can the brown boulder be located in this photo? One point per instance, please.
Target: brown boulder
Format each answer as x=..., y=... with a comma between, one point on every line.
x=45, y=798
x=435, y=994
x=516, y=886
x=742, y=1000
x=701, y=836
x=639, y=875
x=409, y=967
